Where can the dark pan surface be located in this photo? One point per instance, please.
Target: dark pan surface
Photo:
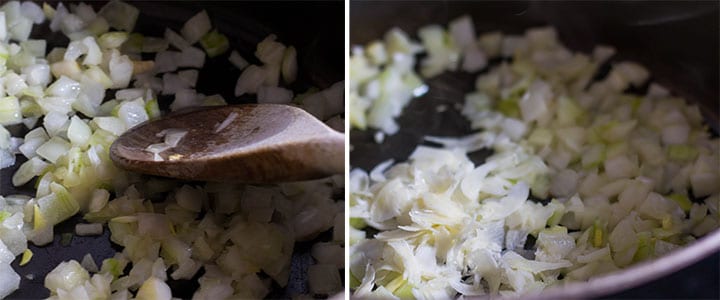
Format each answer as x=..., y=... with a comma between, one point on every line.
x=677, y=41
x=315, y=29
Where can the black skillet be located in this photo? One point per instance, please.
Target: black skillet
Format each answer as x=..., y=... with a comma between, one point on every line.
x=677, y=41
x=316, y=29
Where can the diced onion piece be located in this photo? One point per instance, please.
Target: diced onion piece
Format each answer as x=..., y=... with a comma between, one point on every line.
x=112, y=40
x=9, y=280
x=3, y=26
x=154, y=289
x=94, y=55
x=166, y=61
x=462, y=31
x=237, y=60
x=189, y=198
x=289, y=65
x=250, y=80
x=156, y=149
x=53, y=149
x=172, y=83
x=99, y=199
x=328, y=253
x=175, y=39
x=10, y=111
x=269, y=51
x=66, y=276
x=184, y=98
x=229, y=119
x=191, y=57
x=78, y=132
x=196, y=27
x=152, y=45
x=28, y=170
x=121, y=69
x=88, y=229
x=215, y=43
x=190, y=77
x=33, y=12
x=88, y=262
x=120, y=15
x=173, y=136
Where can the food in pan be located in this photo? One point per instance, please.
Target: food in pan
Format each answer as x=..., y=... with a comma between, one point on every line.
x=589, y=172
x=61, y=110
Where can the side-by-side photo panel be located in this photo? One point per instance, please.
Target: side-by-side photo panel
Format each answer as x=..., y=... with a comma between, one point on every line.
x=534, y=150
x=172, y=150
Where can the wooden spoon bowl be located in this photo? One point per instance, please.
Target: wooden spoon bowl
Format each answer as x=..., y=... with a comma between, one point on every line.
x=262, y=143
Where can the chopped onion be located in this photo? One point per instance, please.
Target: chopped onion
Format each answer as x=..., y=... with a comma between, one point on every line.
x=88, y=229
x=237, y=60
x=191, y=57
x=119, y=15
x=196, y=27
x=175, y=39
x=174, y=136
x=214, y=43
x=270, y=51
x=250, y=80
x=9, y=280
x=602, y=155
x=229, y=119
x=69, y=153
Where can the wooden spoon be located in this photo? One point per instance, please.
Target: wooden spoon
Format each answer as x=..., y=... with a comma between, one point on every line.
x=262, y=143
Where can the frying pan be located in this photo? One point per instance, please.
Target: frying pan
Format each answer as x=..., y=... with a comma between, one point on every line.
x=315, y=29
x=677, y=41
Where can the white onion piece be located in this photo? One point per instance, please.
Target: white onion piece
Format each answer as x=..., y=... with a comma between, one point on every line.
x=191, y=57
x=33, y=12
x=229, y=119
x=166, y=61
x=173, y=136
x=237, y=60
x=250, y=80
x=53, y=149
x=9, y=280
x=190, y=77
x=196, y=27
x=84, y=11
x=119, y=15
x=133, y=113
x=175, y=39
x=88, y=229
x=130, y=94
x=94, y=55
x=157, y=148
x=184, y=98
x=172, y=83
x=462, y=31
x=153, y=44
x=269, y=51
x=37, y=74
x=154, y=289
x=74, y=50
